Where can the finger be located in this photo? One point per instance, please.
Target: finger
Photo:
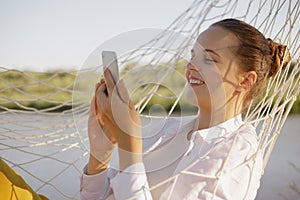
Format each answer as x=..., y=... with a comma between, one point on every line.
x=96, y=87
x=102, y=81
x=122, y=90
x=94, y=111
x=102, y=100
x=100, y=93
x=102, y=87
x=97, y=112
x=110, y=83
x=92, y=107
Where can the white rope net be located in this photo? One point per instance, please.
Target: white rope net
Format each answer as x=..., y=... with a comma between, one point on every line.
x=32, y=138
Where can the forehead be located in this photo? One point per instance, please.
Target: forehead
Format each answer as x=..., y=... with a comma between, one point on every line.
x=217, y=38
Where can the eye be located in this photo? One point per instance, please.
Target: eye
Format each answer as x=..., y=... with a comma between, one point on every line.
x=209, y=61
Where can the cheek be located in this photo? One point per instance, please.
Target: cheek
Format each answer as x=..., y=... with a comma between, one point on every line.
x=229, y=88
x=230, y=75
x=198, y=96
x=230, y=83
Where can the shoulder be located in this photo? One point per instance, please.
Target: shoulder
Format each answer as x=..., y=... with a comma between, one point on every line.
x=246, y=135
x=242, y=143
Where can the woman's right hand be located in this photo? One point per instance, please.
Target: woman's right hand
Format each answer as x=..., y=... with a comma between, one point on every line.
x=101, y=140
x=120, y=117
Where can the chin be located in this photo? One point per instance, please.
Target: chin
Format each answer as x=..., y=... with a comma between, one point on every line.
x=191, y=97
x=201, y=101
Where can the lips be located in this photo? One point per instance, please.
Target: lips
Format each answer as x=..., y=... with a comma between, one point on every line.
x=195, y=81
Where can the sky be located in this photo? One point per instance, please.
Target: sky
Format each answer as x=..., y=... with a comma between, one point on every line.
x=43, y=35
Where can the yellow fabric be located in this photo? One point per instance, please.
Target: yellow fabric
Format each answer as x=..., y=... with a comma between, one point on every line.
x=13, y=186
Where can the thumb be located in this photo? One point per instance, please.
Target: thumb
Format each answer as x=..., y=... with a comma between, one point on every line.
x=122, y=90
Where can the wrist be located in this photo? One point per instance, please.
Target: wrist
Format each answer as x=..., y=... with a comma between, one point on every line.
x=130, y=143
x=98, y=161
x=132, y=148
x=127, y=158
x=95, y=166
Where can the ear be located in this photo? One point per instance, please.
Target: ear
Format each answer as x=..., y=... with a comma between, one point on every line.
x=247, y=81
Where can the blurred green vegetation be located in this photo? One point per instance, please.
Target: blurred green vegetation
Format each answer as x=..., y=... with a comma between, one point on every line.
x=32, y=90
x=296, y=107
x=53, y=90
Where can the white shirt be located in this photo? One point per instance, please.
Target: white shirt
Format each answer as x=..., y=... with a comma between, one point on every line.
x=221, y=162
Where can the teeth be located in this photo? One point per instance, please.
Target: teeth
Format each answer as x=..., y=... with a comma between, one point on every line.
x=193, y=81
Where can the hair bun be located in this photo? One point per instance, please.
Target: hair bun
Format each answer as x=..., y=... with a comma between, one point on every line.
x=280, y=56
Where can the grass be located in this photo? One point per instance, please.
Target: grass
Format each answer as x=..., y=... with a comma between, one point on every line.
x=33, y=90
x=53, y=91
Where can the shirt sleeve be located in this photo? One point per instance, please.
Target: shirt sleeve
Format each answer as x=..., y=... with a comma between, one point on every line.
x=231, y=170
x=94, y=186
x=131, y=183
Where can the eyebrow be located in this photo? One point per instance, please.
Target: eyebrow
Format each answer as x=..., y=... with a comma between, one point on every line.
x=207, y=50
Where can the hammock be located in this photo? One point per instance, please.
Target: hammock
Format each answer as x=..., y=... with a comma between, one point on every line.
x=31, y=138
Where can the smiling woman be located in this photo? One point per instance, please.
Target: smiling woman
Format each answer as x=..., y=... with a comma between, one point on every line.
x=256, y=54
x=243, y=59
x=216, y=146
x=214, y=63
x=179, y=160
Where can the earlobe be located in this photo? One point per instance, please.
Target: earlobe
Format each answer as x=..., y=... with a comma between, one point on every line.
x=247, y=81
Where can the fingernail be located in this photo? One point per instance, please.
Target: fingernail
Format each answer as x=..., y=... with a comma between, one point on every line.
x=106, y=71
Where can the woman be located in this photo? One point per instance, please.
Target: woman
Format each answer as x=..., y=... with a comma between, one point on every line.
x=217, y=153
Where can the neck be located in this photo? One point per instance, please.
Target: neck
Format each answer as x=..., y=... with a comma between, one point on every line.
x=208, y=117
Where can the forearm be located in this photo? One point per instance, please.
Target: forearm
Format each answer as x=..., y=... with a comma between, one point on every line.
x=127, y=159
x=130, y=152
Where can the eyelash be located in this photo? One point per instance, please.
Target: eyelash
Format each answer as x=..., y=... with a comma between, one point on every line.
x=209, y=61
x=205, y=60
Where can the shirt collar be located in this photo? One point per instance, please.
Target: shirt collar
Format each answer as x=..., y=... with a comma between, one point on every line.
x=220, y=130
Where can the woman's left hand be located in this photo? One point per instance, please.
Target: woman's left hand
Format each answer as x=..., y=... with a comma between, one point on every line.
x=121, y=119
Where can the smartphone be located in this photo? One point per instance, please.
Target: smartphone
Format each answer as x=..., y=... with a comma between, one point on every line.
x=109, y=60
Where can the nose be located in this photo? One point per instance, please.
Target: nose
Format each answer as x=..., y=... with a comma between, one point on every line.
x=191, y=67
